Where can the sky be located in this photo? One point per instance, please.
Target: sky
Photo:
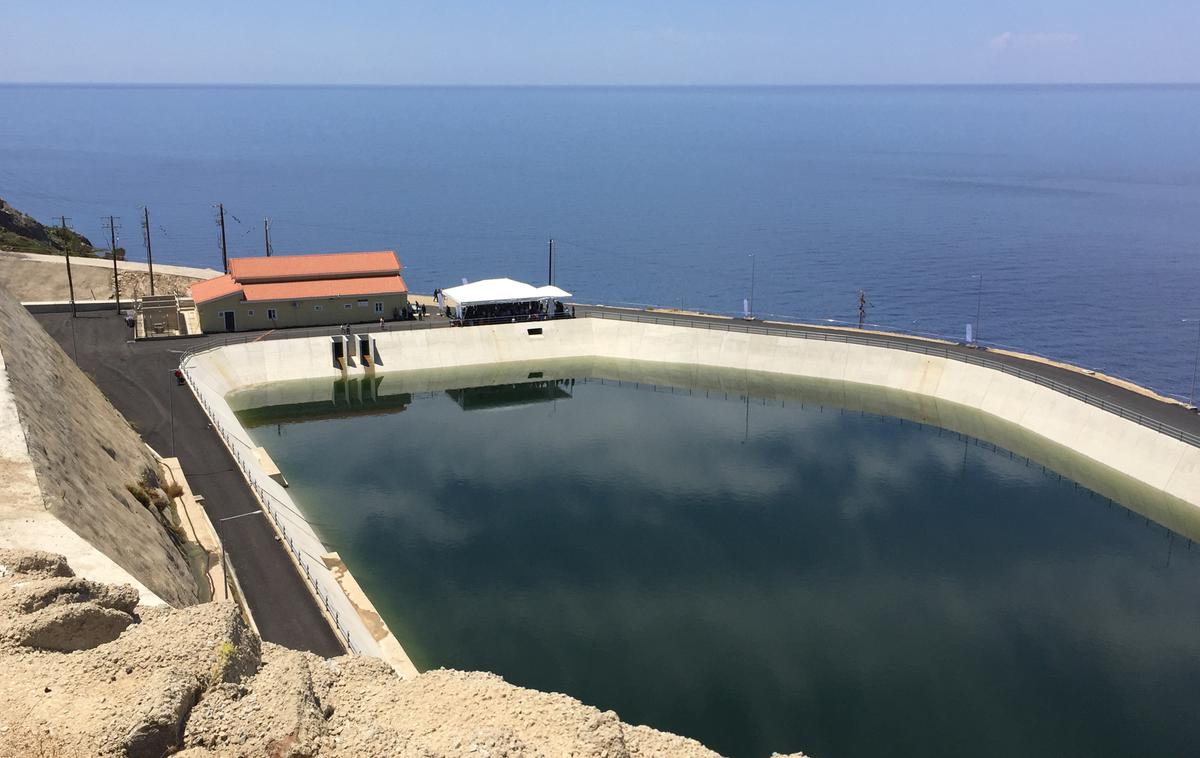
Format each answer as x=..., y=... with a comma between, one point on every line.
x=615, y=42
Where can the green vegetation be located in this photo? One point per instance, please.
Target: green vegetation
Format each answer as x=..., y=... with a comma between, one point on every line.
x=23, y=233
x=225, y=652
x=139, y=494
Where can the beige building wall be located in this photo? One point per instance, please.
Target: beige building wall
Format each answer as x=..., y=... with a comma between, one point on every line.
x=314, y=312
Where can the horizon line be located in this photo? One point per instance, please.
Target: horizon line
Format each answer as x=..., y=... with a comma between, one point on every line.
x=352, y=85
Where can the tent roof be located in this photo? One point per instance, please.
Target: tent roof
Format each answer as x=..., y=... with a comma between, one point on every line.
x=488, y=291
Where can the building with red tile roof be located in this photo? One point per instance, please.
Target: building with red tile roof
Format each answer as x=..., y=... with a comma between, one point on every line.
x=302, y=290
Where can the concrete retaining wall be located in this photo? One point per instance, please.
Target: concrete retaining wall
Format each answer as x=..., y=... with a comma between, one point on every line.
x=1138, y=452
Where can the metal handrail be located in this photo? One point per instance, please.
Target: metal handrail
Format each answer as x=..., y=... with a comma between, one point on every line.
x=907, y=345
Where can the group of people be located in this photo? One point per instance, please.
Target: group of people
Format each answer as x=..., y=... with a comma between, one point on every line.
x=493, y=313
x=498, y=312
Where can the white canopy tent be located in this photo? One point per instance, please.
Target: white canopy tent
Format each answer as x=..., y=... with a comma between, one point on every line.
x=495, y=291
x=487, y=300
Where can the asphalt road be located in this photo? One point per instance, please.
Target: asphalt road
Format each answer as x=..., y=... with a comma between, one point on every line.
x=138, y=380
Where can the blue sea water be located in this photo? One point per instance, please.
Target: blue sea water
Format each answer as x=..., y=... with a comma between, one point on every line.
x=1079, y=206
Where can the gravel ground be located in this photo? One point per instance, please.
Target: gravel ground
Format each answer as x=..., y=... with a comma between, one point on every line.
x=119, y=679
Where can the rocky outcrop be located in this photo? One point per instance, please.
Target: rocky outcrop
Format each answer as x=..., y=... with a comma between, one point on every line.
x=20, y=231
x=92, y=468
x=197, y=682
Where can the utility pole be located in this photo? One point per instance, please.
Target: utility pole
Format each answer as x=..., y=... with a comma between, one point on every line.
x=267, y=235
x=112, y=230
x=149, y=249
x=550, y=267
x=67, y=249
x=224, y=250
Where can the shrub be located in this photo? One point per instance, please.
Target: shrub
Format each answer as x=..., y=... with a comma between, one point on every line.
x=178, y=533
x=139, y=494
x=173, y=490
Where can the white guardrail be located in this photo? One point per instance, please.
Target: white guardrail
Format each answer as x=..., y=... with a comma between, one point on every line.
x=294, y=530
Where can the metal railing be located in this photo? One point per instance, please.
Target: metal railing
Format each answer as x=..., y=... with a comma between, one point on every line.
x=907, y=344
x=241, y=450
x=911, y=344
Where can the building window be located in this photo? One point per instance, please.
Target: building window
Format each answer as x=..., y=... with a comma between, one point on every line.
x=379, y=307
x=271, y=314
x=317, y=307
x=250, y=312
x=347, y=306
x=362, y=303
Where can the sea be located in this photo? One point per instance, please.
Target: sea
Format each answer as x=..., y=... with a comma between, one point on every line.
x=1059, y=220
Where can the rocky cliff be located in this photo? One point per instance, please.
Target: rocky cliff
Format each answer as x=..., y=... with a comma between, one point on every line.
x=88, y=672
x=22, y=232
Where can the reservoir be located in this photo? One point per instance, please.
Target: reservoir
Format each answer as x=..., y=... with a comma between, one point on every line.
x=761, y=563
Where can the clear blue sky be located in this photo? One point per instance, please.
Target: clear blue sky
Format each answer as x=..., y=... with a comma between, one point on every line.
x=612, y=42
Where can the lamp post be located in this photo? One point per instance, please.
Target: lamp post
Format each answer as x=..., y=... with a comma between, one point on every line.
x=750, y=309
x=1195, y=360
x=978, y=306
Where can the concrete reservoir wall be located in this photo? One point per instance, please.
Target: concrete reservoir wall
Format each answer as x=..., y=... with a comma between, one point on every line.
x=1136, y=451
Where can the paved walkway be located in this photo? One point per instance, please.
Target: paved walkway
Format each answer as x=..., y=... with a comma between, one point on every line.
x=138, y=380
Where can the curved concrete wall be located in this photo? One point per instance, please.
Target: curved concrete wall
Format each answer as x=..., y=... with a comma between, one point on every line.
x=1136, y=451
x=1155, y=459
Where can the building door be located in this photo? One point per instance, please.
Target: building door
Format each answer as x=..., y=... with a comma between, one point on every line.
x=229, y=321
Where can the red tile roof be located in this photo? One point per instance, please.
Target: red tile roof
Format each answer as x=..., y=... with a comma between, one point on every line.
x=324, y=266
x=322, y=288
x=211, y=289
x=301, y=277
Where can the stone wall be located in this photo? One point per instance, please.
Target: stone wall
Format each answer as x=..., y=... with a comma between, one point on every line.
x=83, y=454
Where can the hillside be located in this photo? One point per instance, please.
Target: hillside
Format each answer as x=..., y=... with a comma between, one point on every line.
x=23, y=233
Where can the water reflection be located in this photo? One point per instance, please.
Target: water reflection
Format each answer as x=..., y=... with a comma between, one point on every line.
x=762, y=563
x=494, y=396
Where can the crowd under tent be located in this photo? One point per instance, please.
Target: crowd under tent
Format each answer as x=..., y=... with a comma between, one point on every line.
x=502, y=300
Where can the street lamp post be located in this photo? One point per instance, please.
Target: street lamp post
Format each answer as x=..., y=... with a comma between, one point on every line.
x=978, y=306
x=752, y=271
x=1195, y=361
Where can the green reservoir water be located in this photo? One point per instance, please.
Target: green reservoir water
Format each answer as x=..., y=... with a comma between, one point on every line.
x=762, y=564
